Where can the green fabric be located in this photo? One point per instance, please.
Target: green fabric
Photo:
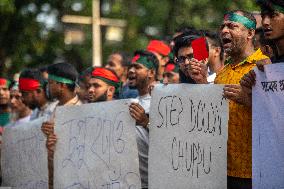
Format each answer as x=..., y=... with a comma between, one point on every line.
x=60, y=79
x=4, y=119
x=278, y=8
x=148, y=64
x=249, y=24
x=117, y=85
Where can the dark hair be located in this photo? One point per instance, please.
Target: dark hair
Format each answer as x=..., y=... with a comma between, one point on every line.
x=43, y=68
x=267, y=6
x=245, y=14
x=65, y=70
x=33, y=74
x=189, y=30
x=86, y=73
x=215, y=41
x=150, y=57
x=182, y=41
x=125, y=58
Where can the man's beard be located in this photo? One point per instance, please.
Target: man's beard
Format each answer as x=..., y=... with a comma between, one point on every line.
x=140, y=84
x=237, y=47
x=102, y=98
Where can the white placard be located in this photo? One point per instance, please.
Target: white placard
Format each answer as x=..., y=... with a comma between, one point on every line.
x=268, y=128
x=96, y=147
x=24, y=156
x=188, y=137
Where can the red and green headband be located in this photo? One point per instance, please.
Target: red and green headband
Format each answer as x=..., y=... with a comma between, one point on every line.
x=28, y=84
x=249, y=24
x=144, y=61
x=5, y=82
x=107, y=76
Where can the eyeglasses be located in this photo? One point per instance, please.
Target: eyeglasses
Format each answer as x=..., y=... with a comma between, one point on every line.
x=182, y=59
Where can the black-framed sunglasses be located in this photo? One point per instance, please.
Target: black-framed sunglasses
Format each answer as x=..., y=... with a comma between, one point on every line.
x=181, y=59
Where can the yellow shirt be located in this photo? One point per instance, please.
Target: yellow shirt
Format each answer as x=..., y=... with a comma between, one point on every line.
x=240, y=120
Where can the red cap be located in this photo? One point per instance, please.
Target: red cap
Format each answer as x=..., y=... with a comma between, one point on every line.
x=159, y=47
x=105, y=73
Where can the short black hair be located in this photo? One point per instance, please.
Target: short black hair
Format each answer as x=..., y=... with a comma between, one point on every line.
x=267, y=5
x=182, y=41
x=33, y=74
x=125, y=58
x=215, y=40
x=64, y=70
x=86, y=73
x=189, y=30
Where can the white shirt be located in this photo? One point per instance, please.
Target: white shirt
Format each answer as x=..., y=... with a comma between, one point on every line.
x=142, y=138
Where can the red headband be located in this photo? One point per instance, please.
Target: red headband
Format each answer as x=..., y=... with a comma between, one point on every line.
x=159, y=47
x=170, y=67
x=27, y=84
x=3, y=81
x=105, y=73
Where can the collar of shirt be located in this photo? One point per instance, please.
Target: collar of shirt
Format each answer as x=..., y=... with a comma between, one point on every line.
x=73, y=101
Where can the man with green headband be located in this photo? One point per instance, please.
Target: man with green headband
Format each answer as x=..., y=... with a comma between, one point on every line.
x=141, y=74
x=237, y=34
x=62, y=78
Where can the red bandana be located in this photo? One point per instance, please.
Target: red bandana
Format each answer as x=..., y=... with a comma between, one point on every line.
x=3, y=81
x=159, y=47
x=27, y=84
x=105, y=73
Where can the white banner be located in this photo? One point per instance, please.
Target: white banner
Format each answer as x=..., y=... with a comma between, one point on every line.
x=268, y=128
x=24, y=156
x=188, y=137
x=96, y=147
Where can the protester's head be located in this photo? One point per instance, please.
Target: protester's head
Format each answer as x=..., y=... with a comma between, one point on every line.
x=32, y=87
x=171, y=74
x=183, y=51
x=118, y=62
x=4, y=91
x=272, y=12
x=142, y=71
x=237, y=32
x=161, y=50
x=17, y=104
x=186, y=30
x=216, y=51
x=44, y=72
x=84, y=78
x=103, y=85
x=62, y=79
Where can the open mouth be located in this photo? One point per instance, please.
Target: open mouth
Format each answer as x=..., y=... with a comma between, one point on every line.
x=226, y=42
x=267, y=31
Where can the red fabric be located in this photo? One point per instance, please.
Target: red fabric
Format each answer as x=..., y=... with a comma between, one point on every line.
x=27, y=84
x=170, y=67
x=199, y=48
x=159, y=47
x=105, y=73
x=135, y=58
x=3, y=81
